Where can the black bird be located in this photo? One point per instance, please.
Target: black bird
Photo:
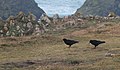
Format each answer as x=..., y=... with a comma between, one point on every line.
x=70, y=42
x=96, y=43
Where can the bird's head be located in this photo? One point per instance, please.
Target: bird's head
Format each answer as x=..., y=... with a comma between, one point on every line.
x=90, y=41
x=64, y=39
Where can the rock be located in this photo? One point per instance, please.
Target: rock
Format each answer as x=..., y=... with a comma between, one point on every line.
x=56, y=16
x=20, y=25
x=113, y=53
x=45, y=19
x=111, y=14
x=31, y=17
x=29, y=25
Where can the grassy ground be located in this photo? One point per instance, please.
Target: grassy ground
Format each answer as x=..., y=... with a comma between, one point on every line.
x=50, y=53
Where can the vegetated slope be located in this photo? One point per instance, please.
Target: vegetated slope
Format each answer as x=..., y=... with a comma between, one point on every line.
x=12, y=7
x=100, y=7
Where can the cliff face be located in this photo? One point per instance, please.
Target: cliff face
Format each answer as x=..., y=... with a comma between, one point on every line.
x=13, y=7
x=100, y=7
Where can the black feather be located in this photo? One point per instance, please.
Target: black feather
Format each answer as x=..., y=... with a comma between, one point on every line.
x=70, y=42
x=96, y=42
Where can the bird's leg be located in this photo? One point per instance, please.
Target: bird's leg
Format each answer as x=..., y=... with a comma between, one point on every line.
x=69, y=46
x=94, y=47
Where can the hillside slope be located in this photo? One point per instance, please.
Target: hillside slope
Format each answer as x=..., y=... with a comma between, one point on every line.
x=12, y=7
x=100, y=7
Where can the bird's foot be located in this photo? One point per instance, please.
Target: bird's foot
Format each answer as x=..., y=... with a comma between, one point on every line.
x=68, y=47
x=94, y=48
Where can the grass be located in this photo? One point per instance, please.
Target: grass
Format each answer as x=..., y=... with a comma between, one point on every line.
x=50, y=53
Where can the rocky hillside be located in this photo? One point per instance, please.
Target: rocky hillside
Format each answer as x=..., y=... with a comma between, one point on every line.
x=100, y=7
x=20, y=25
x=12, y=7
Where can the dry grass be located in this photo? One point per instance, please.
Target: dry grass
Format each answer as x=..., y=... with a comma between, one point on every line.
x=50, y=53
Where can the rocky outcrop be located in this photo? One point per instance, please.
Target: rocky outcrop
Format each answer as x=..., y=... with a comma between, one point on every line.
x=13, y=7
x=20, y=25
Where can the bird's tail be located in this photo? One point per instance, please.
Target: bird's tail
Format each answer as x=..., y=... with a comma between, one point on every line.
x=77, y=41
x=103, y=42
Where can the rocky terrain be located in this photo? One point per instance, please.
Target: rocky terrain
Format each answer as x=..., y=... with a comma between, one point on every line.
x=27, y=25
x=20, y=25
x=100, y=7
x=13, y=7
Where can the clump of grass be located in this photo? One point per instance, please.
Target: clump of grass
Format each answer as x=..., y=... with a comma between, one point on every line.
x=27, y=43
x=117, y=59
x=5, y=45
x=75, y=62
x=8, y=45
x=16, y=65
x=108, y=24
x=10, y=39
